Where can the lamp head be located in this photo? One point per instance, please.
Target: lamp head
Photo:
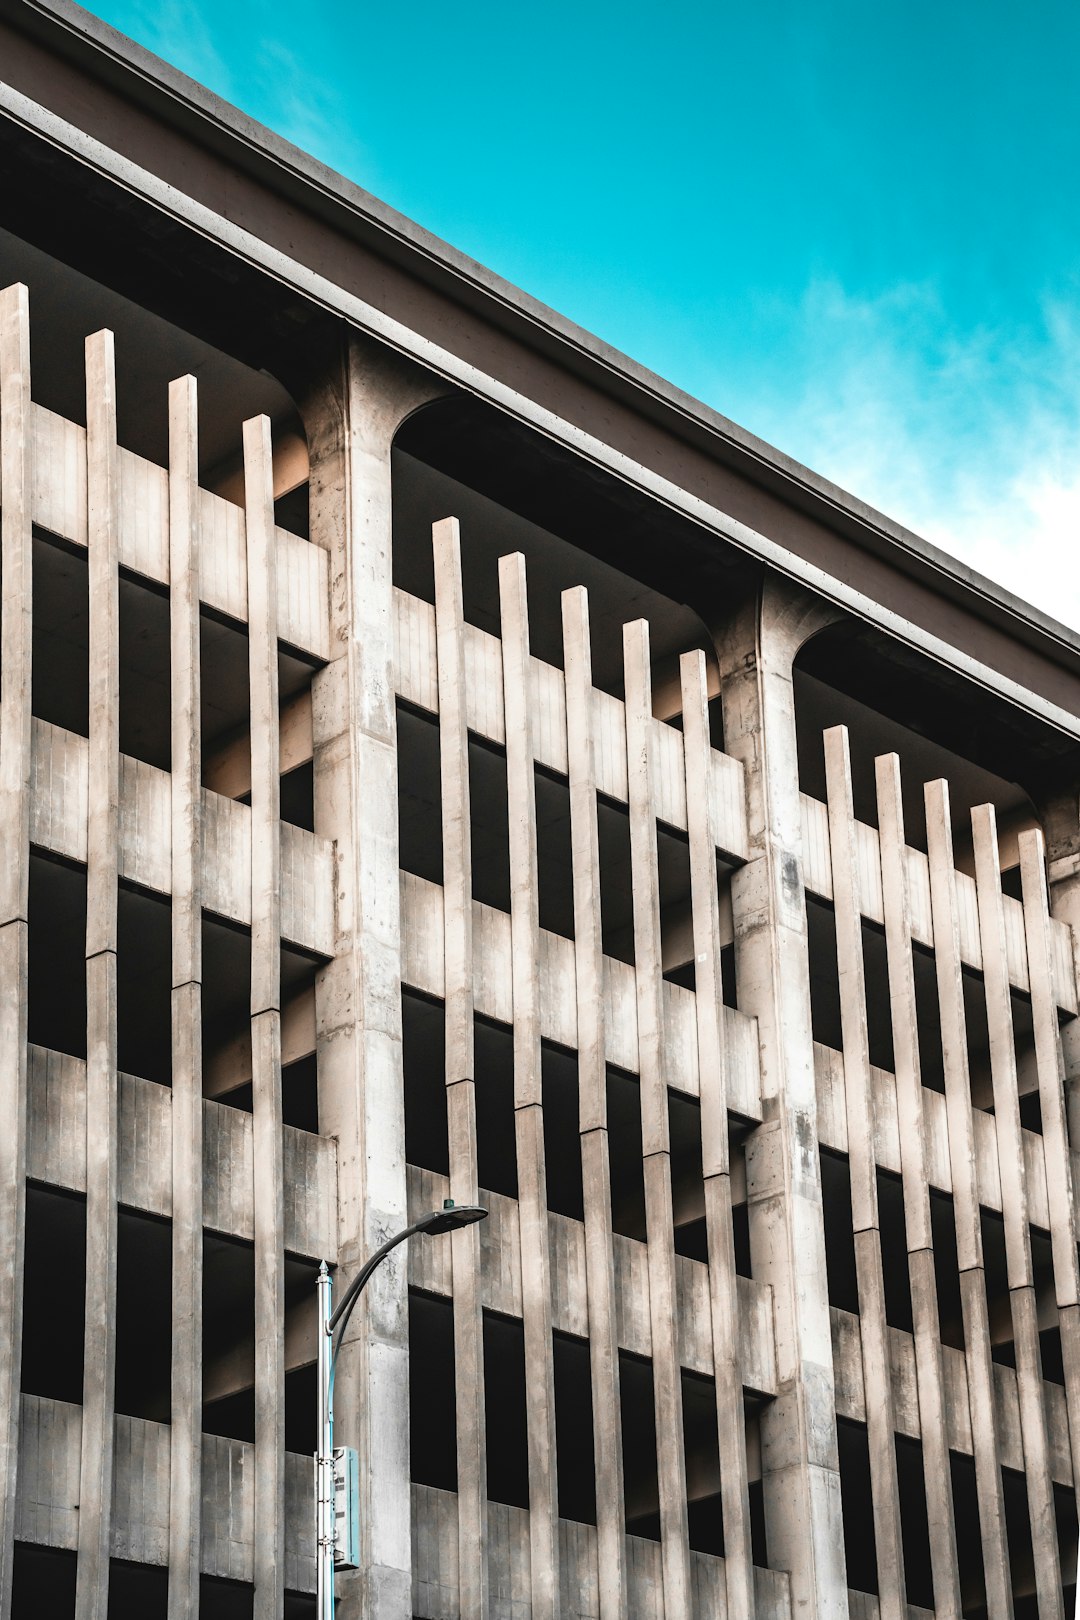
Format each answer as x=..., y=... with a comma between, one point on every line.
x=450, y=1217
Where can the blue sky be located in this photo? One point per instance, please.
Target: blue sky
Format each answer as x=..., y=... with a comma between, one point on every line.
x=853, y=228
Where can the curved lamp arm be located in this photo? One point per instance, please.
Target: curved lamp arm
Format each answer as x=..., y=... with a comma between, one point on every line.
x=447, y=1219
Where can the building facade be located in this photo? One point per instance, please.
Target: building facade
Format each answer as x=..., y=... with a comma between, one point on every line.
x=438, y=759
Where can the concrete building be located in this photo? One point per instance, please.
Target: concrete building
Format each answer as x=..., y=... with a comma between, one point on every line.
x=437, y=758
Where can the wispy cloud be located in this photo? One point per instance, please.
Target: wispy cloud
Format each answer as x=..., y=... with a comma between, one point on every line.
x=232, y=54
x=973, y=442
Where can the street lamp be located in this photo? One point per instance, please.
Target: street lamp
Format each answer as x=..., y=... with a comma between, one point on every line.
x=334, y=1473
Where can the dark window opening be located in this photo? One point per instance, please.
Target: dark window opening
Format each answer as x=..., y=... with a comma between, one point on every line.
x=554, y=855
x=432, y=1408
x=506, y=1427
x=145, y=717
x=740, y=1221
x=574, y=1430
x=624, y=1151
x=996, y=1277
x=562, y=1138
x=640, y=1480
x=616, y=893
x=144, y=985
x=894, y=1257
x=226, y=1010
x=839, y=1236
x=856, y=1496
x=56, y=950
x=137, y=1591
x=928, y=1017
x=225, y=706
x=225, y=1600
x=676, y=916
x=1018, y=1532
x=969, y=1555
x=43, y=1583
x=914, y=1523
x=300, y=1094
x=144, y=1317
x=490, y=823
x=301, y=1403
x=423, y=1047
x=496, y=1134
x=54, y=1295
x=60, y=653
x=292, y=511
x=228, y=1338
x=419, y=795
x=878, y=999
x=824, y=977
x=298, y=796
x=687, y=1183
x=947, y=1271
x=702, y=1454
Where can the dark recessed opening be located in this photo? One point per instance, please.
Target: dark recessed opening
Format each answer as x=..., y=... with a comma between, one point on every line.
x=496, y=1142
x=894, y=1257
x=701, y=1444
x=839, y=1236
x=914, y=1523
x=423, y=1039
x=860, y=1547
x=419, y=795
x=562, y=1138
x=624, y=1150
x=43, y=1583
x=490, y=825
x=298, y=796
x=60, y=656
x=56, y=934
x=574, y=1430
x=143, y=1316
x=554, y=857
x=432, y=1410
x=137, y=1591
x=145, y=680
x=54, y=1294
x=504, y=1397
x=638, y=1416
x=687, y=1184
x=228, y=1337
x=144, y=985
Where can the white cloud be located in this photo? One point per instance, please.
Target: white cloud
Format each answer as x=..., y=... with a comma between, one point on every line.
x=973, y=443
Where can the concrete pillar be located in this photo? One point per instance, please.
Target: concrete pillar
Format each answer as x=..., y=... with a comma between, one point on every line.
x=351, y=416
x=801, y=1479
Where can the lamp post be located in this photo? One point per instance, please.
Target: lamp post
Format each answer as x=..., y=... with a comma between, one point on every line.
x=332, y=1324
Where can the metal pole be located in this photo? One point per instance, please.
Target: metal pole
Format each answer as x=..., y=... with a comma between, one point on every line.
x=324, y=1458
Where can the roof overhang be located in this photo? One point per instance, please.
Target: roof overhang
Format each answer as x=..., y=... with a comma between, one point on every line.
x=77, y=84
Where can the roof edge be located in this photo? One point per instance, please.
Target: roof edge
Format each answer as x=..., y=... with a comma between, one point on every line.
x=171, y=94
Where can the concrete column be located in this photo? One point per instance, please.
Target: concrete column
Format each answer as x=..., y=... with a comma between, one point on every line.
x=351, y=416
x=800, y=1463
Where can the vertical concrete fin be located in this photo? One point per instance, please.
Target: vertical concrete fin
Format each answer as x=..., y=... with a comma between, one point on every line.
x=528, y=1088
x=716, y=1166
x=185, y=1497
x=1012, y=1170
x=877, y=1368
x=655, y=1128
x=896, y=902
x=16, y=562
x=267, y=1150
x=102, y=1096
x=592, y=1107
x=458, y=968
x=982, y=1401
